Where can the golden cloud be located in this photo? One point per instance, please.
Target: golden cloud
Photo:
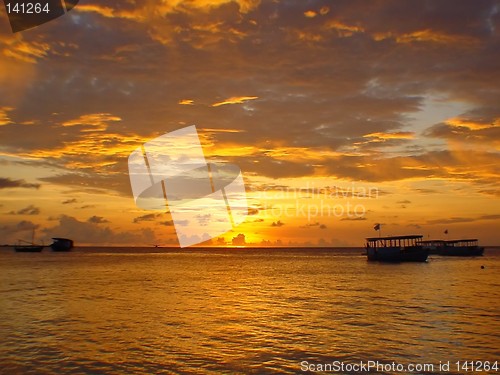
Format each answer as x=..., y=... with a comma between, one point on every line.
x=310, y=14
x=343, y=30
x=472, y=125
x=158, y=9
x=172, y=6
x=235, y=100
x=4, y=116
x=186, y=102
x=29, y=52
x=89, y=152
x=396, y=135
x=110, y=12
x=97, y=121
x=432, y=36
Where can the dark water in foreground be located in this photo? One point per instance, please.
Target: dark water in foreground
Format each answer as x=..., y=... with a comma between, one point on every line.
x=125, y=311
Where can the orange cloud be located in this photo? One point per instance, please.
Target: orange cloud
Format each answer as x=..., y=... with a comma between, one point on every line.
x=433, y=37
x=109, y=12
x=186, y=102
x=29, y=52
x=396, y=135
x=172, y=6
x=463, y=133
x=343, y=29
x=235, y=100
x=98, y=121
x=4, y=116
x=310, y=14
x=154, y=9
x=472, y=125
x=324, y=10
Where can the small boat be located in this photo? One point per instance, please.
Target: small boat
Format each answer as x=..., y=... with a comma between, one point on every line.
x=31, y=247
x=61, y=244
x=28, y=248
x=461, y=248
x=396, y=249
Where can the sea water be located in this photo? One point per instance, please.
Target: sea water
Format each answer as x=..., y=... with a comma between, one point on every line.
x=257, y=311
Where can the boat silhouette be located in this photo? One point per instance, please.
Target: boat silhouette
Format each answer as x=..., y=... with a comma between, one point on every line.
x=396, y=249
x=61, y=244
x=460, y=248
x=30, y=247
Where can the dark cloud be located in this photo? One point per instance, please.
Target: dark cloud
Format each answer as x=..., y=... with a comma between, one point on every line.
x=70, y=201
x=317, y=224
x=6, y=183
x=30, y=210
x=416, y=226
x=92, y=233
x=84, y=207
x=25, y=225
x=168, y=223
x=489, y=217
x=252, y=211
x=147, y=217
x=97, y=220
x=203, y=219
x=278, y=223
x=10, y=231
x=239, y=240
x=452, y=220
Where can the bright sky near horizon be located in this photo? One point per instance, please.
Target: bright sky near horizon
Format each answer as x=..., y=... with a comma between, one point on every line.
x=340, y=114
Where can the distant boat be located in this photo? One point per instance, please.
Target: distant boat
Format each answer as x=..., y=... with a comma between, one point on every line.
x=462, y=248
x=396, y=249
x=61, y=244
x=433, y=246
x=31, y=247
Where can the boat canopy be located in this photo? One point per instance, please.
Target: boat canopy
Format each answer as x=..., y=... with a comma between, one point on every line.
x=467, y=242
x=407, y=237
x=433, y=242
x=395, y=241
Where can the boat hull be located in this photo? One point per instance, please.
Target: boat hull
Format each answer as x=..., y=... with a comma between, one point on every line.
x=397, y=254
x=28, y=249
x=461, y=251
x=61, y=244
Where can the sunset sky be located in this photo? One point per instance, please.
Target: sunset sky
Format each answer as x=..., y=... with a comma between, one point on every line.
x=340, y=115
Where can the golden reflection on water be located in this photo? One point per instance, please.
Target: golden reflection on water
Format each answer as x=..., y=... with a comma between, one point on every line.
x=240, y=312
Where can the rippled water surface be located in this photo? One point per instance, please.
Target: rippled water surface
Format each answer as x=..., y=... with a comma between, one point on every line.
x=126, y=311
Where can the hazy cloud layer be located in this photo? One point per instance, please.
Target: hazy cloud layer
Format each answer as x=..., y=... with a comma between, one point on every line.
x=94, y=233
